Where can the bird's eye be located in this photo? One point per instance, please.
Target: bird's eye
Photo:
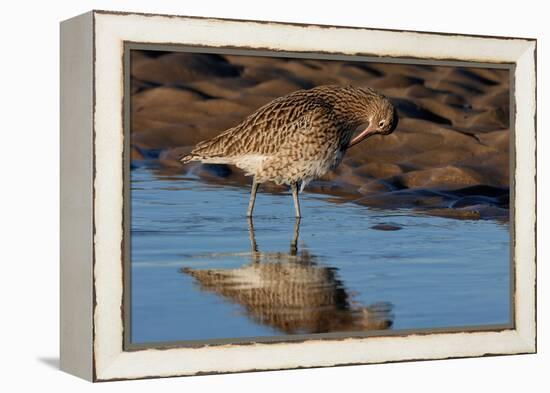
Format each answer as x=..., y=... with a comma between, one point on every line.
x=381, y=123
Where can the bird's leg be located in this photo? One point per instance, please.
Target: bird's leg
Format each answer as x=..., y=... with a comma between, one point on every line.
x=255, y=255
x=296, y=234
x=255, y=186
x=294, y=188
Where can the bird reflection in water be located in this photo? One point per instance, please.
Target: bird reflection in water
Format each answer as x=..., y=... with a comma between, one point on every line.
x=292, y=293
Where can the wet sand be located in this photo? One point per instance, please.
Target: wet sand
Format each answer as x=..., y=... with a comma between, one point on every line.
x=449, y=155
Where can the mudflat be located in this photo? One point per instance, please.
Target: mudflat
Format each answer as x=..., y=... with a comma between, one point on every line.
x=449, y=155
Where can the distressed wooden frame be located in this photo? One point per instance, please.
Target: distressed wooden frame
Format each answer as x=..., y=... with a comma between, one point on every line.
x=92, y=195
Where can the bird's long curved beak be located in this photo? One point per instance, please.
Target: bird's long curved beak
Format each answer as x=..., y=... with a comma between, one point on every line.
x=368, y=131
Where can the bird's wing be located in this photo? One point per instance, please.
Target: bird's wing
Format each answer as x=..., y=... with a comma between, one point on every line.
x=264, y=132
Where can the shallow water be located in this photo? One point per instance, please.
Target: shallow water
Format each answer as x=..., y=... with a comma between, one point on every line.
x=200, y=270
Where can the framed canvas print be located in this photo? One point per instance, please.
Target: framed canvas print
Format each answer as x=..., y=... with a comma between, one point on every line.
x=244, y=195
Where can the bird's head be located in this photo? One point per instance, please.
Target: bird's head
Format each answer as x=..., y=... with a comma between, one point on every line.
x=378, y=116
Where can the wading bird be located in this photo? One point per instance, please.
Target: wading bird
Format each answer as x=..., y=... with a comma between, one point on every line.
x=299, y=137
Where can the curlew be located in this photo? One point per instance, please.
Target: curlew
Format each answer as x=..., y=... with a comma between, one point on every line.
x=299, y=137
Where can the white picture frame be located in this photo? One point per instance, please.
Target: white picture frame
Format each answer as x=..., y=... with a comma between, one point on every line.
x=93, y=198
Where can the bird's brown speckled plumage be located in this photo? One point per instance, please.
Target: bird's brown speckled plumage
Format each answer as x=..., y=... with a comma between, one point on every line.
x=300, y=136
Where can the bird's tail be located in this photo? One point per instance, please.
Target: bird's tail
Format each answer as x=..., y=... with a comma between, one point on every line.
x=195, y=155
x=186, y=157
x=212, y=150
